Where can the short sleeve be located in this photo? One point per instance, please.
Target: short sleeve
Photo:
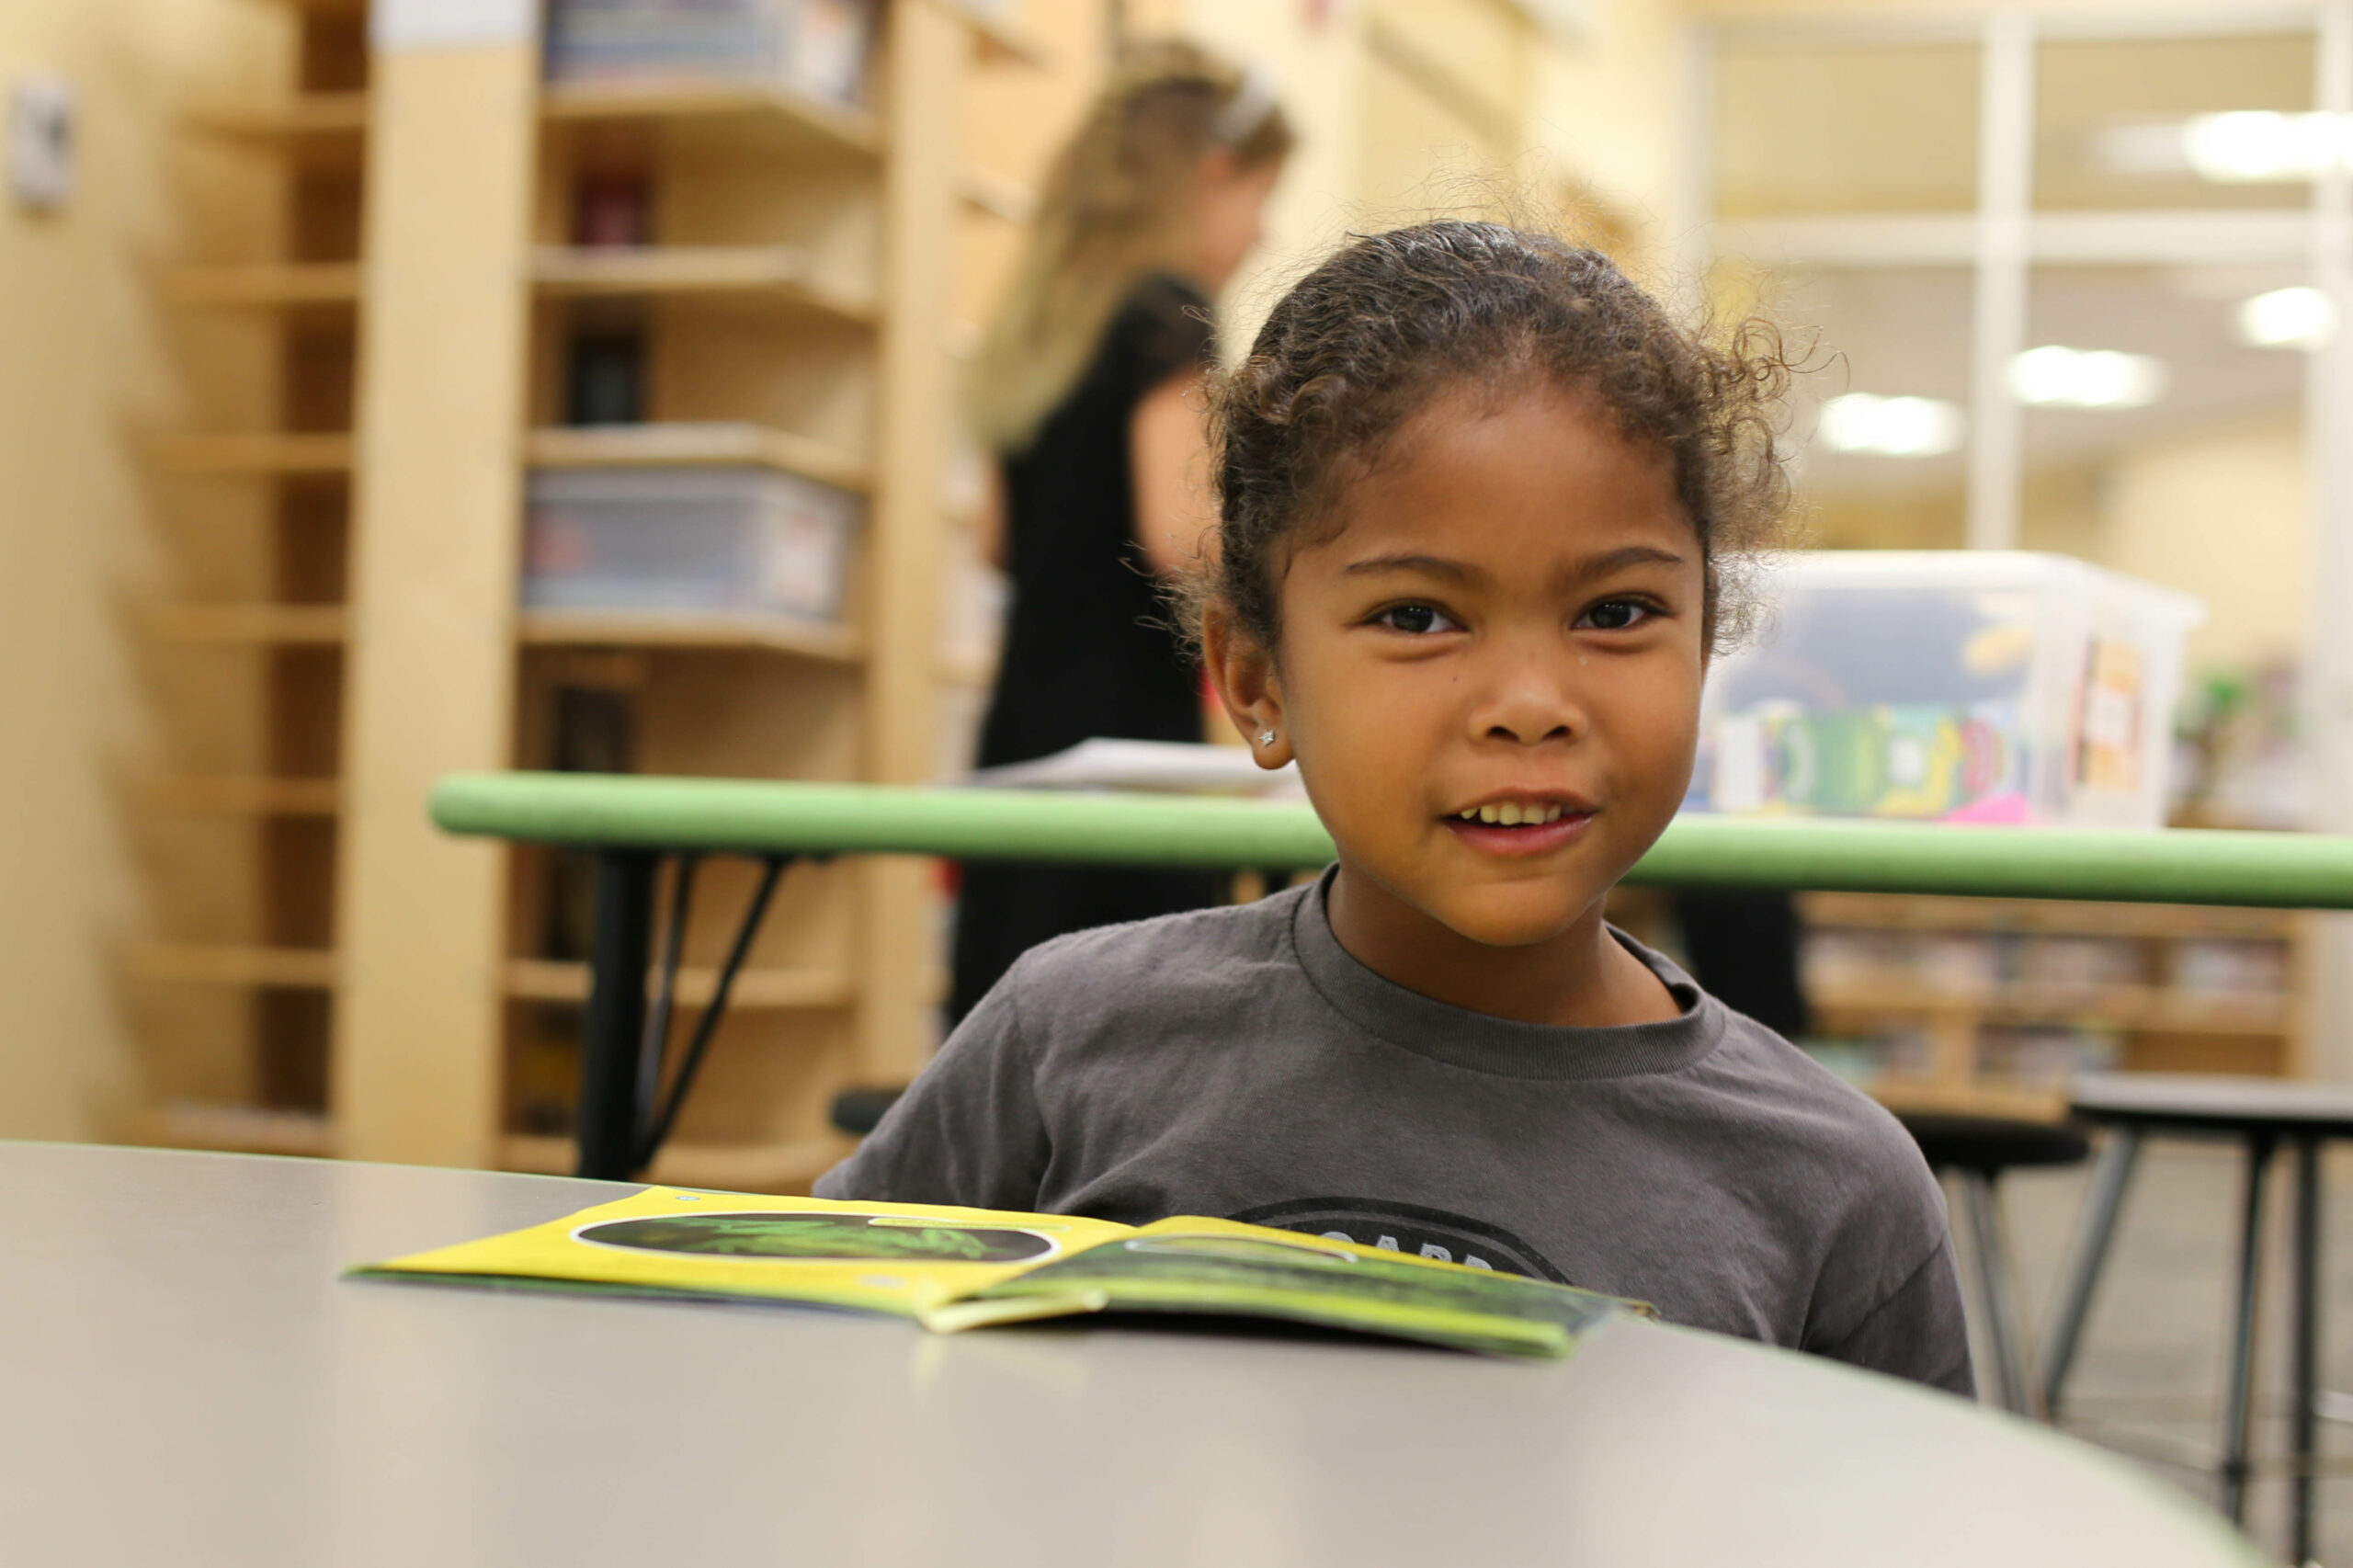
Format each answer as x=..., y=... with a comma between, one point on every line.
x=1161, y=331
x=1919, y=1331
x=967, y=1131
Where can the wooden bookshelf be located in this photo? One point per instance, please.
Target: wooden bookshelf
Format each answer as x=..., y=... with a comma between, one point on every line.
x=234, y=989
x=806, y=264
x=1957, y=977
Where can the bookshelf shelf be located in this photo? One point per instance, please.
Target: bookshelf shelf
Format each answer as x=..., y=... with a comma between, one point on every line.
x=232, y=795
x=253, y=625
x=549, y=980
x=255, y=453
x=317, y=127
x=713, y=444
x=780, y=278
x=784, y=1165
x=716, y=633
x=319, y=287
x=227, y=963
x=235, y=1129
x=694, y=117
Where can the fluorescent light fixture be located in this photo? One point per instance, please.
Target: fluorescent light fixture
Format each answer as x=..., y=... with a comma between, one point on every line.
x=2055, y=376
x=2248, y=146
x=2300, y=317
x=1889, y=426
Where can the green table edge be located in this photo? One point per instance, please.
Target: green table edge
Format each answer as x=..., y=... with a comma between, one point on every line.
x=2276, y=870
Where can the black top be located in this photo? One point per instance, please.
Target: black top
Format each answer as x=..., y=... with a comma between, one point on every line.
x=1088, y=647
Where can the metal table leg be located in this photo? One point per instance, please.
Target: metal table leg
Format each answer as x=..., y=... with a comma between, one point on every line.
x=2111, y=1176
x=2239, y=1414
x=614, y=1032
x=2307, y=1348
x=2010, y=1376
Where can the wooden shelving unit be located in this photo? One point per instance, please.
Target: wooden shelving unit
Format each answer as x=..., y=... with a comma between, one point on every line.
x=1976, y=1002
x=234, y=991
x=406, y=997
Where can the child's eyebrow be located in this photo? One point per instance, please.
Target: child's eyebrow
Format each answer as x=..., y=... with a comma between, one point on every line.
x=1435, y=565
x=1618, y=560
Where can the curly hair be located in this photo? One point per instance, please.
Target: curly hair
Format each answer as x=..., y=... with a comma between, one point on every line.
x=1393, y=320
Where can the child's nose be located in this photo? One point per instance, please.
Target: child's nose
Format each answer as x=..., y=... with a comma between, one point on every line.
x=1529, y=707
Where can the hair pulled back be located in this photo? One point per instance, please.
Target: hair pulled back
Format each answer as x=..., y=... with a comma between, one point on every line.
x=1394, y=320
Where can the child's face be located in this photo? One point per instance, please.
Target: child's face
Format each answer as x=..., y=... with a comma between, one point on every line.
x=1509, y=623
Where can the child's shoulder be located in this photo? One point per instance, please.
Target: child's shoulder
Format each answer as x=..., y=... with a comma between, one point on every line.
x=1824, y=1130
x=1158, y=962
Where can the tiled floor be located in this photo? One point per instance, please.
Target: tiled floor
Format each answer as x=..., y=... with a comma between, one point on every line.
x=2149, y=1378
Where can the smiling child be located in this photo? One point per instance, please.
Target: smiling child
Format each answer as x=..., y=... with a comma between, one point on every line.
x=1481, y=504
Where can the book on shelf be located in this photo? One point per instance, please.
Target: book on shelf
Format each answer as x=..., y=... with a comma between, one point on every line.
x=952, y=1269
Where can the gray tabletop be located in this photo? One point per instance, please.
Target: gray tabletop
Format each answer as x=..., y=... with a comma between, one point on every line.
x=2215, y=1102
x=187, y=1381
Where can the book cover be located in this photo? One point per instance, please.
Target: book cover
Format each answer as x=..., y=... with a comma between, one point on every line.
x=954, y=1268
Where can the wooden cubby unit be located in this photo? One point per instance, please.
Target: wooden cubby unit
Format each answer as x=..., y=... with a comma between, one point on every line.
x=244, y=954
x=803, y=267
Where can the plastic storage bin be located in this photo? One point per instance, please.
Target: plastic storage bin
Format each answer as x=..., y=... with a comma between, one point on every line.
x=720, y=540
x=815, y=46
x=1958, y=685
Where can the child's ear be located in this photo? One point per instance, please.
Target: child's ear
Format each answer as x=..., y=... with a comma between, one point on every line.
x=1242, y=671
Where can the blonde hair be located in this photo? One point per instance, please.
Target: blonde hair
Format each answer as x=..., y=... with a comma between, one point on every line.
x=1112, y=214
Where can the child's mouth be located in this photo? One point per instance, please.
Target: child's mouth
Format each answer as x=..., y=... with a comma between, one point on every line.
x=1518, y=828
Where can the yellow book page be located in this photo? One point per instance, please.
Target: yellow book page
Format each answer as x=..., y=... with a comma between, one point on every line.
x=888, y=1258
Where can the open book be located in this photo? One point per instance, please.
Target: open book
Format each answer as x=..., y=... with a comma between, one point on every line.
x=957, y=1269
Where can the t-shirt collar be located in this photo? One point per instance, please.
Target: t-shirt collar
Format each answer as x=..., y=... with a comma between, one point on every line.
x=1504, y=1047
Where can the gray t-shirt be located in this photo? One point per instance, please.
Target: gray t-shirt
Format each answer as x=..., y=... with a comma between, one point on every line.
x=1239, y=1062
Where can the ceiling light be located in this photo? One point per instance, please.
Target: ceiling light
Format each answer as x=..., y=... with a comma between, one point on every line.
x=1889, y=426
x=2300, y=317
x=2251, y=146
x=2057, y=377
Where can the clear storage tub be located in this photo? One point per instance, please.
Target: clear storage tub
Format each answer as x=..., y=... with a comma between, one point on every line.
x=719, y=540
x=1961, y=685
x=817, y=48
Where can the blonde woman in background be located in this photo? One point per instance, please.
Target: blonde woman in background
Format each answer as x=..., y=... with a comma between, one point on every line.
x=1086, y=392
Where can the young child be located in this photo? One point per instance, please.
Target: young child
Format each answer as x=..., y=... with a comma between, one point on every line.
x=1480, y=502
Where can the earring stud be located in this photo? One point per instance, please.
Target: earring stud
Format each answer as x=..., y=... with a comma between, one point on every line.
x=1266, y=737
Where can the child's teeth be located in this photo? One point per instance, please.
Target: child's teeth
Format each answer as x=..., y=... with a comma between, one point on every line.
x=1553, y=813
x=1487, y=814
x=1509, y=813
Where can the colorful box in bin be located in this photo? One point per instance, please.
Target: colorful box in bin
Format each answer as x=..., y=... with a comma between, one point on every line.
x=817, y=48
x=1958, y=686
x=717, y=541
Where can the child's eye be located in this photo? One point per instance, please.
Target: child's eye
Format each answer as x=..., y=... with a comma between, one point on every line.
x=1418, y=620
x=1615, y=615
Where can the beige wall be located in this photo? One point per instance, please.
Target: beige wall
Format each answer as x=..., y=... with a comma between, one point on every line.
x=1406, y=106
x=2227, y=517
x=87, y=363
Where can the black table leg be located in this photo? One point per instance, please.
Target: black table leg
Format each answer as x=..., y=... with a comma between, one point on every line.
x=2307, y=1348
x=614, y=1031
x=2239, y=1414
x=2111, y=1176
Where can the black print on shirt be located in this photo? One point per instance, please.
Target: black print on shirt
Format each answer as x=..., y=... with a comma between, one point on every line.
x=1407, y=1227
